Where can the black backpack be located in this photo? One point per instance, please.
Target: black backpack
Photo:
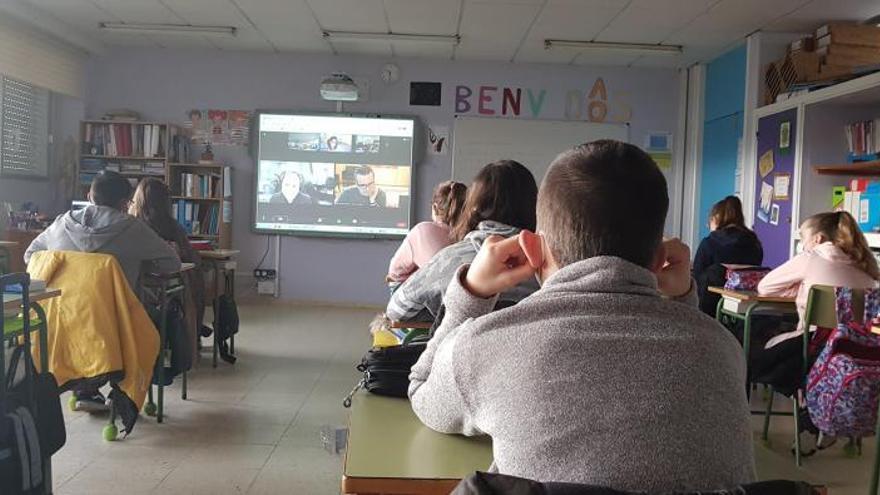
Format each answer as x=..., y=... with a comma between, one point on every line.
x=226, y=325
x=386, y=369
x=27, y=438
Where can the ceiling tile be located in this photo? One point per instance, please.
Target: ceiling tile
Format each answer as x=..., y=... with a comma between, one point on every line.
x=604, y=58
x=818, y=12
x=288, y=25
x=149, y=11
x=423, y=16
x=652, y=21
x=351, y=15
x=422, y=50
x=205, y=12
x=363, y=47
x=566, y=19
x=492, y=31
x=729, y=21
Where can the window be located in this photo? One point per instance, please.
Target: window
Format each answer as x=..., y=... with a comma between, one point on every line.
x=24, y=129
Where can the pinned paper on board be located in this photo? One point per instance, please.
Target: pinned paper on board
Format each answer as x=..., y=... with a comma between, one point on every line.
x=766, y=201
x=785, y=135
x=781, y=186
x=766, y=164
x=774, y=215
x=663, y=159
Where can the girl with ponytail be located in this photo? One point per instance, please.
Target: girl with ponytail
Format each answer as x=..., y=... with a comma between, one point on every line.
x=729, y=242
x=427, y=238
x=834, y=253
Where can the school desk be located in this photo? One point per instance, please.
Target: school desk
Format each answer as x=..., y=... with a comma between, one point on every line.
x=750, y=305
x=220, y=261
x=391, y=452
x=11, y=307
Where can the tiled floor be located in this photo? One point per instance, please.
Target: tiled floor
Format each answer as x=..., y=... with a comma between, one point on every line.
x=255, y=427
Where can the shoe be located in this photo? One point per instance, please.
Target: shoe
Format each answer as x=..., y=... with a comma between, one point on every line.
x=825, y=441
x=808, y=444
x=91, y=403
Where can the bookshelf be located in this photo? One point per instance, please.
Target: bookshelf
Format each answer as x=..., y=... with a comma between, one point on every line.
x=141, y=149
x=198, y=200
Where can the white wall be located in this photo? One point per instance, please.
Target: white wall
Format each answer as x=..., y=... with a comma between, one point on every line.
x=165, y=84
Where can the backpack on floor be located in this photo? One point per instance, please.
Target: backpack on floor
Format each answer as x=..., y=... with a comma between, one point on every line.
x=843, y=386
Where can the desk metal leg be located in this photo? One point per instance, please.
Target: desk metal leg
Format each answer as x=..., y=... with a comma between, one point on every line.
x=216, y=310
x=163, y=324
x=183, y=387
x=230, y=288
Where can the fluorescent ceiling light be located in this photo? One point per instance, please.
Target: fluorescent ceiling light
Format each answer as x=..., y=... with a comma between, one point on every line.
x=168, y=28
x=640, y=48
x=453, y=39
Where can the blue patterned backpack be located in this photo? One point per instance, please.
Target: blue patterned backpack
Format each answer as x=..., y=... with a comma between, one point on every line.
x=844, y=384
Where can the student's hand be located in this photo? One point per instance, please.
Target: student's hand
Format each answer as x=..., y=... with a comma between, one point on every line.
x=674, y=276
x=500, y=264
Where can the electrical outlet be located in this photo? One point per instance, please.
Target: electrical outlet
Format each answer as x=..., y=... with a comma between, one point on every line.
x=264, y=274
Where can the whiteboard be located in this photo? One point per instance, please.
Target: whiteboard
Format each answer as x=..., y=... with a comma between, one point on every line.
x=534, y=143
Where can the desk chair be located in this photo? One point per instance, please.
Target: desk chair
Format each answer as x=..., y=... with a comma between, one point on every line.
x=821, y=312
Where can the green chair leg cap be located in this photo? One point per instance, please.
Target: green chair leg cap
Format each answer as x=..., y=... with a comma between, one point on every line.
x=110, y=432
x=150, y=409
x=71, y=403
x=766, y=442
x=851, y=450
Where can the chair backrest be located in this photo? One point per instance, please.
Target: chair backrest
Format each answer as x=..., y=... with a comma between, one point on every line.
x=822, y=306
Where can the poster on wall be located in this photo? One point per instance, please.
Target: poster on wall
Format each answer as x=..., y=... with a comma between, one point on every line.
x=219, y=127
x=438, y=139
x=659, y=147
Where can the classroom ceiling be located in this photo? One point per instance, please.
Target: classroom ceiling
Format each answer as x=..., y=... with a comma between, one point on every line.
x=496, y=30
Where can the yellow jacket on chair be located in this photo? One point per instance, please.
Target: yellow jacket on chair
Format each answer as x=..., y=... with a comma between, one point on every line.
x=97, y=326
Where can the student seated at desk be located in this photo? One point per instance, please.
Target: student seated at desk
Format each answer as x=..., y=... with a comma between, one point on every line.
x=834, y=253
x=501, y=201
x=104, y=227
x=427, y=238
x=609, y=374
x=151, y=204
x=729, y=242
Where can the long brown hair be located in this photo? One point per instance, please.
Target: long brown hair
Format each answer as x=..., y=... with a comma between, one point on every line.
x=152, y=204
x=728, y=213
x=504, y=191
x=448, y=201
x=841, y=229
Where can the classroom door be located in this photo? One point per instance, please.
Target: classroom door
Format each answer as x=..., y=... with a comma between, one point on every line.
x=774, y=185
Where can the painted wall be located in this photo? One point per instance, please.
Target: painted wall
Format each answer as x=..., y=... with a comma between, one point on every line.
x=163, y=85
x=722, y=130
x=52, y=195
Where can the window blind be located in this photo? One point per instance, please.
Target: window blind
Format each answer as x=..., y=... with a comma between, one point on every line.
x=24, y=129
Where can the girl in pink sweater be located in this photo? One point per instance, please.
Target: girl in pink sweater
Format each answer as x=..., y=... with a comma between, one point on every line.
x=836, y=254
x=427, y=238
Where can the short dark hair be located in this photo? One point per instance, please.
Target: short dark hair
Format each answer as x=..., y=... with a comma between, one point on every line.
x=504, y=191
x=110, y=189
x=364, y=170
x=604, y=198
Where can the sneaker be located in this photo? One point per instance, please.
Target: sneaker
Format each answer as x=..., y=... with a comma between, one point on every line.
x=91, y=403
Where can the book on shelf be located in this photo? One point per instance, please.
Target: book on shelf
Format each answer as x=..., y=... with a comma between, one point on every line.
x=199, y=185
x=863, y=140
x=195, y=218
x=124, y=139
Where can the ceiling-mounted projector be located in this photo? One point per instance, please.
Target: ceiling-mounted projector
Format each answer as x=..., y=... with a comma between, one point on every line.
x=339, y=87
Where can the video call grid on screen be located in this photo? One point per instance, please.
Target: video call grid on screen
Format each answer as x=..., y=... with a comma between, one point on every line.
x=334, y=174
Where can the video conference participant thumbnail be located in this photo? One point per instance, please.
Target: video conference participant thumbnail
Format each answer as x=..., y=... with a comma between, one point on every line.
x=365, y=192
x=291, y=192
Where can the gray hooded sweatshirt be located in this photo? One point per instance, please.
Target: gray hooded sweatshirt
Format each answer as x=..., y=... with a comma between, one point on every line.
x=101, y=229
x=593, y=379
x=420, y=297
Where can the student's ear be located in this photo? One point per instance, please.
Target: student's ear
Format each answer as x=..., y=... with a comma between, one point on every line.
x=659, y=260
x=532, y=246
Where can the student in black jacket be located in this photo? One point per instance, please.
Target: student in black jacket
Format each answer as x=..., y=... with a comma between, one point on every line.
x=729, y=242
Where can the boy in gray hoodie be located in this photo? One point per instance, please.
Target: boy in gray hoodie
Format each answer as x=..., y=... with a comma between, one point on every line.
x=609, y=374
x=105, y=227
